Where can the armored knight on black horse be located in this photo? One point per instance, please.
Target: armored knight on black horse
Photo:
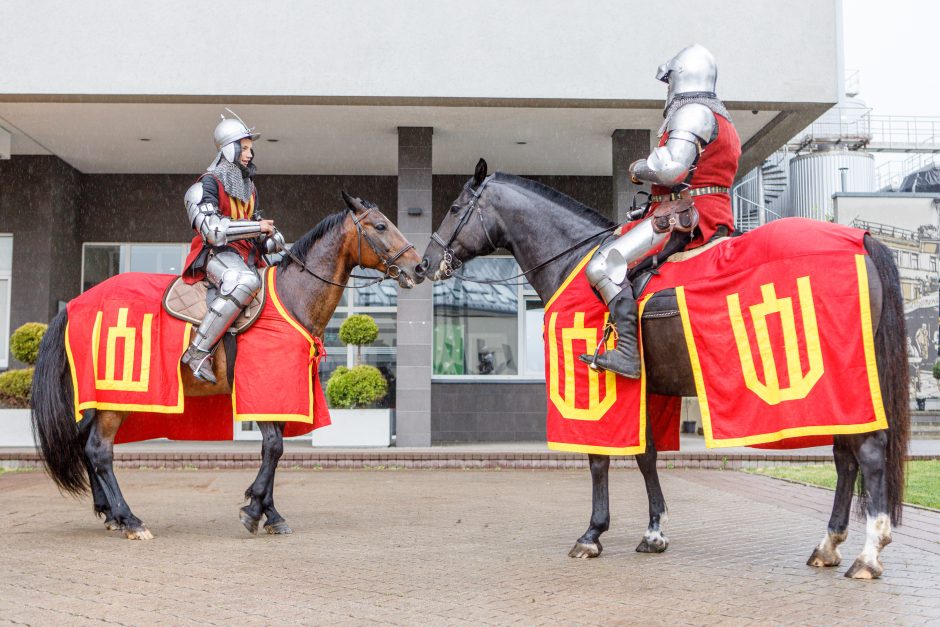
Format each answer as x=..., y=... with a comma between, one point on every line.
x=697, y=157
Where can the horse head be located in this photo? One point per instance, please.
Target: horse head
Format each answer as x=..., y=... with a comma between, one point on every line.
x=469, y=229
x=386, y=248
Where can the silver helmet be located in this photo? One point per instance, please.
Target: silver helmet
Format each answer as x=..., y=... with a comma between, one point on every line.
x=228, y=132
x=692, y=70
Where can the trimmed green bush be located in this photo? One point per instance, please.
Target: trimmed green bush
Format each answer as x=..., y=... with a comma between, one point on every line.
x=936, y=370
x=361, y=386
x=358, y=329
x=15, y=386
x=24, y=343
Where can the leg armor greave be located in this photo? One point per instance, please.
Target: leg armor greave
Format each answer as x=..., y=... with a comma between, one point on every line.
x=607, y=269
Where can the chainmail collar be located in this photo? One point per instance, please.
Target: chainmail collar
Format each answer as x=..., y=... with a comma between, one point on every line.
x=233, y=180
x=707, y=98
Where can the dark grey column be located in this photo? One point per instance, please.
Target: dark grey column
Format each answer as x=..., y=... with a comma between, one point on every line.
x=39, y=200
x=415, y=310
x=628, y=145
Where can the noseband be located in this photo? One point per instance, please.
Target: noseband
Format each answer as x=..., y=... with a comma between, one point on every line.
x=451, y=263
x=392, y=271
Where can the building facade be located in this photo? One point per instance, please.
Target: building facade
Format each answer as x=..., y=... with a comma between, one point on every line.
x=394, y=103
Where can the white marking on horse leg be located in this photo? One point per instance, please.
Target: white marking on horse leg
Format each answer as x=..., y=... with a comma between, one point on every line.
x=877, y=537
x=827, y=552
x=831, y=541
x=655, y=536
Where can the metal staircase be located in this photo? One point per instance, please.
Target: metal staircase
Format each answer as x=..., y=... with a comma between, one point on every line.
x=755, y=198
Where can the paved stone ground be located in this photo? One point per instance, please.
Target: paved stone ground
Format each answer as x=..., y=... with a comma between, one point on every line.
x=449, y=547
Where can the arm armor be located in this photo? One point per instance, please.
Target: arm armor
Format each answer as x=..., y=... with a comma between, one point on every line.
x=690, y=129
x=216, y=229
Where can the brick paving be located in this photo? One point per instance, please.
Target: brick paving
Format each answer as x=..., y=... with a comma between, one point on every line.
x=449, y=547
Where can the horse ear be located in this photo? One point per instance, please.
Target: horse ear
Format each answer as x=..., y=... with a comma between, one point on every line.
x=351, y=203
x=480, y=173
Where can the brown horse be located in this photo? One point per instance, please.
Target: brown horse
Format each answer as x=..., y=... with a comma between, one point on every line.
x=310, y=283
x=534, y=222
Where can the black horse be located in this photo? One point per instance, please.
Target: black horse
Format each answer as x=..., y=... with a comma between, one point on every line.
x=310, y=283
x=534, y=222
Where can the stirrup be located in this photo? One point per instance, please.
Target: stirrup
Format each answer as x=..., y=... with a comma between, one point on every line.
x=591, y=361
x=200, y=362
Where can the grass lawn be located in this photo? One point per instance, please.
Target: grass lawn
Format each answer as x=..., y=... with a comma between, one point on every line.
x=923, y=479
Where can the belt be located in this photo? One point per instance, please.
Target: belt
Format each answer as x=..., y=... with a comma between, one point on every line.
x=695, y=191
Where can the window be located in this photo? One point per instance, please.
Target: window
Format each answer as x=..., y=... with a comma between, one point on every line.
x=483, y=330
x=6, y=269
x=102, y=261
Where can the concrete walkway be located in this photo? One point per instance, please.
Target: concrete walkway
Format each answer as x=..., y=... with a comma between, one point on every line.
x=449, y=547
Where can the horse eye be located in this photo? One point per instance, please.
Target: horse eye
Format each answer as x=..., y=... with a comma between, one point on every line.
x=455, y=208
x=380, y=226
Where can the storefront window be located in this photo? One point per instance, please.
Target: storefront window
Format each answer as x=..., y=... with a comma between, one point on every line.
x=102, y=261
x=481, y=330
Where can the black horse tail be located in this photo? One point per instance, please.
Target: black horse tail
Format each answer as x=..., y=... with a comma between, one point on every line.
x=53, y=413
x=891, y=356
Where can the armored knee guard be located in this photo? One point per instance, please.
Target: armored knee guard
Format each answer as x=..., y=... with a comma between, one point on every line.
x=237, y=285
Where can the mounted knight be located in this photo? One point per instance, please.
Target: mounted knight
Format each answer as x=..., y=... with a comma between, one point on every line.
x=691, y=172
x=231, y=238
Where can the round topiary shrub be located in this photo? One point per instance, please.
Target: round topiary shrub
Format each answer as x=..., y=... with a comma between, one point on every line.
x=361, y=386
x=24, y=343
x=358, y=329
x=15, y=386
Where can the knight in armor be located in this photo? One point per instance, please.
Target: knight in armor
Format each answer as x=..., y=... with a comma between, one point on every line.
x=231, y=239
x=697, y=158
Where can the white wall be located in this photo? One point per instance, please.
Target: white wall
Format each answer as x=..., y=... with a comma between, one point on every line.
x=768, y=51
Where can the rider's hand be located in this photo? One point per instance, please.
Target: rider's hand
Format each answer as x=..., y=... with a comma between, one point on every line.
x=267, y=226
x=274, y=243
x=632, y=171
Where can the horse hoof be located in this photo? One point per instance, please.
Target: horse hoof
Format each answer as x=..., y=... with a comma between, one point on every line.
x=279, y=529
x=251, y=524
x=585, y=550
x=864, y=570
x=112, y=525
x=650, y=544
x=820, y=559
x=141, y=533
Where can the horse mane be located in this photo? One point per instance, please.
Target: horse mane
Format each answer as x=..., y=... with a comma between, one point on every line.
x=556, y=197
x=302, y=246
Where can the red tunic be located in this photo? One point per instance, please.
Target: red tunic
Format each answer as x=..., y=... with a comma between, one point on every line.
x=231, y=208
x=717, y=165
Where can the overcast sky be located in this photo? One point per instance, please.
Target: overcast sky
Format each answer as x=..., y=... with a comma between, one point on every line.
x=895, y=45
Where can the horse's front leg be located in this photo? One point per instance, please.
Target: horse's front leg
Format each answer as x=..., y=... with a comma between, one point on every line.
x=589, y=545
x=827, y=552
x=653, y=540
x=260, y=493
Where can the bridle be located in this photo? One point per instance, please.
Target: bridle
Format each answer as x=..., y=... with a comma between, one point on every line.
x=392, y=271
x=450, y=262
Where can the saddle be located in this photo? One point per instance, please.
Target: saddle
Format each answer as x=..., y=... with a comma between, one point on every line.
x=190, y=303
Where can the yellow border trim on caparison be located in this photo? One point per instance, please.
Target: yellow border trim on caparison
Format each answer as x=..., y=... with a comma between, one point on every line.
x=879, y=423
x=128, y=407
x=570, y=278
x=308, y=419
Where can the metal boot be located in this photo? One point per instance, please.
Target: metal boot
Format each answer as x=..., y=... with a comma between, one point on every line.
x=201, y=363
x=222, y=312
x=625, y=358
